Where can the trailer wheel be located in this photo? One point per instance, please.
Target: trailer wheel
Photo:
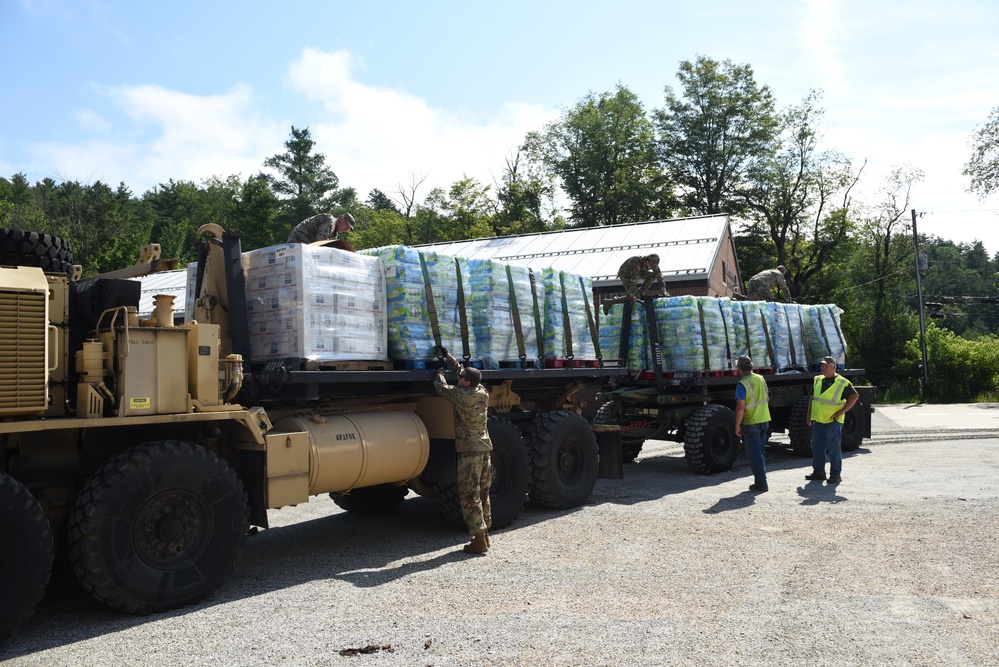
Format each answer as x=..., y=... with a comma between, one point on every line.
x=157, y=527
x=50, y=253
x=26, y=554
x=511, y=478
x=610, y=413
x=798, y=430
x=564, y=460
x=371, y=499
x=852, y=421
x=710, y=443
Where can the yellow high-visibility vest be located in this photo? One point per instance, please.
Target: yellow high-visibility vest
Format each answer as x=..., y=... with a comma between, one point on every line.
x=827, y=403
x=757, y=408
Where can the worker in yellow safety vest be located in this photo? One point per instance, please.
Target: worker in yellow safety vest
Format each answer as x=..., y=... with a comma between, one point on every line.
x=832, y=397
x=752, y=420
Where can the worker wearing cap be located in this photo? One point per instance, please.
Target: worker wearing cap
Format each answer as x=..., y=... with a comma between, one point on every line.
x=320, y=227
x=473, y=446
x=752, y=420
x=644, y=269
x=832, y=397
x=761, y=286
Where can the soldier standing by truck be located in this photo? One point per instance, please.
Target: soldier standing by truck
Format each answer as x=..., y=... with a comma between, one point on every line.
x=472, y=444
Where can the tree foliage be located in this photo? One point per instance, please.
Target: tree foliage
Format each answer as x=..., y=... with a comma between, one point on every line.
x=303, y=183
x=982, y=169
x=602, y=151
x=711, y=132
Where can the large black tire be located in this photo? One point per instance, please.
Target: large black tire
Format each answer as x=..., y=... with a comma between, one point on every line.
x=798, y=430
x=26, y=550
x=50, y=253
x=371, y=499
x=610, y=413
x=511, y=478
x=564, y=460
x=158, y=527
x=710, y=444
x=852, y=423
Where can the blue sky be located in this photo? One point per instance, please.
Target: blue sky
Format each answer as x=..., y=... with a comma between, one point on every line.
x=143, y=92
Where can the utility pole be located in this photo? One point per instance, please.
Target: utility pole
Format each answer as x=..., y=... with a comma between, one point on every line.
x=919, y=291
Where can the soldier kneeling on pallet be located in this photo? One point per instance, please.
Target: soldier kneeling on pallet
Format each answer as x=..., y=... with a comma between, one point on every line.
x=642, y=269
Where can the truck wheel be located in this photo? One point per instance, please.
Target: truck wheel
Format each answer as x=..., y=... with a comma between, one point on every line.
x=564, y=460
x=798, y=430
x=157, y=527
x=371, y=499
x=852, y=421
x=710, y=443
x=511, y=478
x=26, y=554
x=610, y=413
x=50, y=253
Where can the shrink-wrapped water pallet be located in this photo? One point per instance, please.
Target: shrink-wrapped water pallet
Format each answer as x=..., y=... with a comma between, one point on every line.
x=316, y=303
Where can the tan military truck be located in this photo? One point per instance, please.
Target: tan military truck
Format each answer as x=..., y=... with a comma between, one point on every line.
x=145, y=451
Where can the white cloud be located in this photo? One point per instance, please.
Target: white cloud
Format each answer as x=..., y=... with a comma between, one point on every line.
x=192, y=138
x=92, y=121
x=376, y=137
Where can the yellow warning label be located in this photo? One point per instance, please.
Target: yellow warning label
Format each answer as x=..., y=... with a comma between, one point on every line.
x=139, y=403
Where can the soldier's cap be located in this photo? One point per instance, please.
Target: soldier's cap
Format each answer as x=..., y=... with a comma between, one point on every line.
x=744, y=363
x=829, y=360
x=347, y=219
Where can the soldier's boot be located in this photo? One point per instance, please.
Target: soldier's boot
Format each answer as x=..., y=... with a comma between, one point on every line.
x=478, y=545
x=486, y=533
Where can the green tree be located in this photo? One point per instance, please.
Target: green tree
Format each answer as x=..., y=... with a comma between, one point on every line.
x=982, y=169
x=379, y=201
x=179, y=208
x=710, y=133
x=524, y=197
x=880, y=316
x=461, y=212
x=304, y=184
x=603, y=154
x=18, y=208
x=798, y=196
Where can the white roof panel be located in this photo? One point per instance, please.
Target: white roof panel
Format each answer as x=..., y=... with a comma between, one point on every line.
x=686, y=247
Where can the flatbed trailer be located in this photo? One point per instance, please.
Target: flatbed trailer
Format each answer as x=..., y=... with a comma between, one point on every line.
x=697, y=408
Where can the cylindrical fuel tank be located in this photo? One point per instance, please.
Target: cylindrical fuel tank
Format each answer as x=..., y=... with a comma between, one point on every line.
x=362, y=449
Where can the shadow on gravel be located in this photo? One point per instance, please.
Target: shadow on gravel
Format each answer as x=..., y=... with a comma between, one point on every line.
x=363, y=550
x=815, y=492
x=369, y=550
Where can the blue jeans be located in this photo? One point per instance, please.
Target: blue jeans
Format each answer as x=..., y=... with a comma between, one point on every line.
x=755, y=437
x=827, y=439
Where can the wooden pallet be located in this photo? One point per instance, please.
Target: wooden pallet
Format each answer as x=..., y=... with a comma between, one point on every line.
x=347, y=365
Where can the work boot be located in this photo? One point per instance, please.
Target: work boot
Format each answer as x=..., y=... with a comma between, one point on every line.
x=478, y=545
x=818, y=475
x=486, y=533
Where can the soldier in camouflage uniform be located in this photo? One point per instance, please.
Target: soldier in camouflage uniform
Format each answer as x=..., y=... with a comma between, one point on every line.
x=761, y=286
x=472, y=444
x=644, y=268
x=320, y=227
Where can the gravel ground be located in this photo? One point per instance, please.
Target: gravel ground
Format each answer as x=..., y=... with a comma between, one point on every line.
x=896, y=566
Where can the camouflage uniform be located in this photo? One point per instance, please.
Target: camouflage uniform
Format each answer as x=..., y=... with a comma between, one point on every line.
x=760, y=287
x=471, y=441
x=320, y=227
x=643, y=268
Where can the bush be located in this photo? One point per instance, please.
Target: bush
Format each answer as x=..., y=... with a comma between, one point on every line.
x=960, y=371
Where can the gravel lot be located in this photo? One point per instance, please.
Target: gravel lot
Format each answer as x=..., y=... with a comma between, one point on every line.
x=898, y=565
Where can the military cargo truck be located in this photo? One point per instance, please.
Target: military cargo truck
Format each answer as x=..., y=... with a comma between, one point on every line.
x=144, y=451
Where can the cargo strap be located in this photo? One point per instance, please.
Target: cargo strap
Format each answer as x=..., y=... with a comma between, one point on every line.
x=462, y=315
x=589, y=318
x=518, y=328
x=704, y=334
x=435, y=325
x=623, y=348
x=839, y=332
x=790, y=339
x=749, y=340
x=728, y=345
x=538, y=331
x=770, y=342
x=804, y=339
x=655, y=343
x=566, y=327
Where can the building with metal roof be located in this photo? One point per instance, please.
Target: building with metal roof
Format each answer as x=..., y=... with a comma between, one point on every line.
x=696, y=255
x=173, y=283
